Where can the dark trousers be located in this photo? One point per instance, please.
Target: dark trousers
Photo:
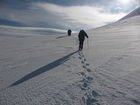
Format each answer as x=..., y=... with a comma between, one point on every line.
x=81, y=42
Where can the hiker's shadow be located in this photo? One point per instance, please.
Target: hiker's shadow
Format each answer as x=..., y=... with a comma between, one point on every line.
x=61, y=36
x=43, y=69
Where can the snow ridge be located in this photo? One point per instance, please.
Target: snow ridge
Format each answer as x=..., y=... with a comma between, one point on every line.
x=135, y=12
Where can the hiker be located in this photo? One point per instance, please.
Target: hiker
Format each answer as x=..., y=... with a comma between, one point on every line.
x=81, y=36
x=69, y=32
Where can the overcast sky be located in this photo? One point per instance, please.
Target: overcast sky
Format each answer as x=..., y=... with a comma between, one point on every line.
x=64, y=14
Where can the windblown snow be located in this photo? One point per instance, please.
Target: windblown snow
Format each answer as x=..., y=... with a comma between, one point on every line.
x=48, y=69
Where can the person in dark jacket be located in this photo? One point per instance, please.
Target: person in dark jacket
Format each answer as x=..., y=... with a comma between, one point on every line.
x=69, y=32
x=81, y=36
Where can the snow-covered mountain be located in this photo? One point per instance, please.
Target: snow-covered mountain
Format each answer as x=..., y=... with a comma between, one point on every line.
x=30, y=30
x=135, y=12
x=48, y=69
x=132, y=19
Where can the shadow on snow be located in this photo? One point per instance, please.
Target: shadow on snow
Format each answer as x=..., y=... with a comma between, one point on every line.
x=61, y=36
x=43, y=69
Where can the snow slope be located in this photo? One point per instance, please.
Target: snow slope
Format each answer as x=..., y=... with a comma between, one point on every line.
x=48, y=70
x=135, y=12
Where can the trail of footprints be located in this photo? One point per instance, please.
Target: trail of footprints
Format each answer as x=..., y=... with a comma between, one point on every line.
x=90, y=95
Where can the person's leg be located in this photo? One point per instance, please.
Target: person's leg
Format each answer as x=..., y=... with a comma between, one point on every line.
x=79, y=45
x=82, y=44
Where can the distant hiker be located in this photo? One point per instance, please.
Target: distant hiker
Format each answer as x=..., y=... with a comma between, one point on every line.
x=69, y=32
x=81, y=36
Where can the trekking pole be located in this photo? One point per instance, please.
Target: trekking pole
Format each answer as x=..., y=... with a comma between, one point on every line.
x=88, y=43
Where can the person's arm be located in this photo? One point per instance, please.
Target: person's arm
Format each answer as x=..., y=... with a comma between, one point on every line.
x=86, y=35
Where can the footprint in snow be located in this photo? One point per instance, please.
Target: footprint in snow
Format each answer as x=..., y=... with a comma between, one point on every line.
x=94, y=93
x=85, y=86
x=84, y=67
x=82, y=62
x=89, y=78
x=80, y=57
x=87, y=64
x=90, y=101
x=84, y=59
x=82, y=73
x=89, y=70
